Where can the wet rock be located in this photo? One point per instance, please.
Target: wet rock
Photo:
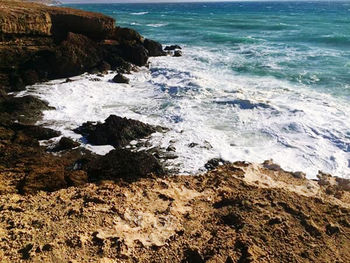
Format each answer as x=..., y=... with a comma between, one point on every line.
x=65, y=144
x=172, y=47
x=119, y=78
x=124, y=164
x=215, y=162
x=115, y=131
x=95, y=79
x=121, y=66
x=177, y=53
x=171, y=148
x=154, y=48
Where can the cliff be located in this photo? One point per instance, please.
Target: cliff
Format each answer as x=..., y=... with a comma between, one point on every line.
x=39, y=42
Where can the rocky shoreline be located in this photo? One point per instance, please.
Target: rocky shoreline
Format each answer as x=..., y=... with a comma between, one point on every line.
x=66, y=204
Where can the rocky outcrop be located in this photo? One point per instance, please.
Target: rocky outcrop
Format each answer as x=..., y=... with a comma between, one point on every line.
x=115, y=131
x=38, y=42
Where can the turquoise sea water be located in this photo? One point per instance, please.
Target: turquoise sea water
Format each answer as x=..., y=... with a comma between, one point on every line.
x=256, y=81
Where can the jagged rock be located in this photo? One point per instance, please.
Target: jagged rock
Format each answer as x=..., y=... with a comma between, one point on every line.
x=154, y=48
x=65, y=144
x=124, y=164
x=116, y=131
x=215, y=162
x=177, y=53
x=119, y=78
x=172, y=47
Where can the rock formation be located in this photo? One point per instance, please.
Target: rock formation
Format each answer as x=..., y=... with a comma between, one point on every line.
x=38, y=42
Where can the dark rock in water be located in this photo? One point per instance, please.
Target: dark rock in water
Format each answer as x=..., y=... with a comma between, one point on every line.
x=116, y=131
x=177, y=53
x=119, y=78
x=124, y=164
x=215, y=162
x=171, y=148
x=65, y=144
x=121, y=66
x=172, y=47
x=95, y=79
x=37, y=132
x=154, y=48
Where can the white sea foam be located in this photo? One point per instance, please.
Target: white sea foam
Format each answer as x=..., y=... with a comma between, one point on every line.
x=227, y=115
x=139, y=13
x=157, y=25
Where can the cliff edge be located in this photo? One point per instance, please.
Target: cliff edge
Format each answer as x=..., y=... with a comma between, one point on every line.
x=38, y=43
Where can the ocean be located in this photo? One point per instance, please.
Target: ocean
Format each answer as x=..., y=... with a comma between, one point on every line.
x=257, y=81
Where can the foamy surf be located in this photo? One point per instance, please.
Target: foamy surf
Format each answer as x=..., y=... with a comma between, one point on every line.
x=213, y=114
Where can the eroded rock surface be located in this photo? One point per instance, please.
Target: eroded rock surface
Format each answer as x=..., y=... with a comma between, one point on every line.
x=221, y=216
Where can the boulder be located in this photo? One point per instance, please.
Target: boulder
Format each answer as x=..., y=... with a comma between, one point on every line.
x=119, y=78
x=154, y=48
x=65, y=144
x=124, y=164
x=115, y=131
